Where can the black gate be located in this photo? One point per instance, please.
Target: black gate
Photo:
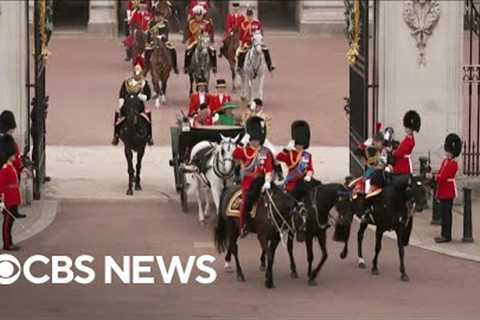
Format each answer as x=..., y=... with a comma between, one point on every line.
x=471, y=78
x=40, y=100
x=362, y=101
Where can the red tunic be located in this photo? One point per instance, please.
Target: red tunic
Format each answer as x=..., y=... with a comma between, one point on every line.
x=247, y=29
x=403, y=162
x=198, y=122
x=299, y=164
x=446, y=186
x=195, y=103
x=216, y=102
x=141, y=19
x=193, y=3
x=254, y=163
x=234, y=20
x=9, y=186
x=195, y=28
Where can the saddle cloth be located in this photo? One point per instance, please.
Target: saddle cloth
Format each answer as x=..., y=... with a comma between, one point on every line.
x=234, y=205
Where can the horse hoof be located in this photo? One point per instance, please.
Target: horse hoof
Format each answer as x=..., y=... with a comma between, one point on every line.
x=163, y=100
x=361, y=263
x=228, y=268
x=240, y=278
x=343, y=254
x=404, y=277
x=312, y=283
x=294, y=275
x=262, y=268
x=129, y=192
x=375, y=272
x=138, y=187
x=157, y=104
x=269, y=284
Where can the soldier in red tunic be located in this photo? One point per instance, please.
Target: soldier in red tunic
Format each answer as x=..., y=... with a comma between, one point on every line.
x=247, y=28
x=233, y=22
x=402, y=154
x=10, y=197
x=256, y=162
x=202, y=117
x=446, y=186
x=217, y=100
x=198, y=98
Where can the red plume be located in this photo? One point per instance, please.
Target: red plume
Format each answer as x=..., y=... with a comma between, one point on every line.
x=378, y=127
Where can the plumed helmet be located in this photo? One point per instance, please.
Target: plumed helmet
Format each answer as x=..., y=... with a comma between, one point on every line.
x=7, y=121
x=412, y=120
x=453, y=144
x=198, y=10
x=301, y=133
x=256, y=129
x=8, y=148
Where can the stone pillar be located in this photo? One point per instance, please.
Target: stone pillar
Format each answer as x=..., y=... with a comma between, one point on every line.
x=13, y=57
x=324, y=16
x=103, y=17
x=435, y=89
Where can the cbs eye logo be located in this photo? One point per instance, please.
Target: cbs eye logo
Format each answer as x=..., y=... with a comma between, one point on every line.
x=8, y=264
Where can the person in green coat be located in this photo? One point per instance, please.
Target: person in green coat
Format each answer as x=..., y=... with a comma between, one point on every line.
x=225, y=116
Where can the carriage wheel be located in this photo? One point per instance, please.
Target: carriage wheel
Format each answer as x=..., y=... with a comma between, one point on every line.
x=183, y=193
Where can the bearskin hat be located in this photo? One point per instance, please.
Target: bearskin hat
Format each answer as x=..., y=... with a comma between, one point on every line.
x=7, y=121
x=8, y=148
x=257, y=129
x=301, y=133
x=412, y=120
x=453, y=144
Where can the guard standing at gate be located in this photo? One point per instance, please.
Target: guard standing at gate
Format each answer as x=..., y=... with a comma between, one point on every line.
x=446, y=185
x=402, y=155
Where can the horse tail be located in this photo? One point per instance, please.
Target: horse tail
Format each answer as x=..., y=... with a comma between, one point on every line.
x=221, y=233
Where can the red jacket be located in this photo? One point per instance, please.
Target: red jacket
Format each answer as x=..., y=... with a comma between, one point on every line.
x=9, y=186
x=141, y=19
x=233, y=21
x=254, y=163
x=446, y=186
x=299, y=164
x=195, y=103
x=197, y=122
x=402, y=156
x=215, y=102
x=247, y=29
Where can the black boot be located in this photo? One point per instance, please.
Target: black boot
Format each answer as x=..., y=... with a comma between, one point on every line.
x=213, y=56
x=128, y=54
x=241, y=61
x=115, y=139
x=173, y=53
x=149, y=137
x=247, y=227
x=221, y=53
x=268, y=60
x=186, y=62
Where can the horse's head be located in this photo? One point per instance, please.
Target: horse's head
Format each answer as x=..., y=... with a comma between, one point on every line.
x=418, y=193
x=343, y=204
x=225, y=155
x=131, y=111
x=287, y=207
x=257, y=42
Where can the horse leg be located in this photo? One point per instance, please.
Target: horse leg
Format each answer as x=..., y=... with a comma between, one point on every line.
x=360, y=234
x=243, y=95
x=270, y=259
x=309, y=247
x=206, y=196
x=131, y=172
x=378, y=247
x=197, y=185
x=190, y=76
x=228, y=258
x=262, y=261
x=293, y=267
x=216, y=195
x=322, y=240
x=234, y=250
x=138, y=185
x=163, y=95
x=260, y=86
x=401, y=254
x=232, y=70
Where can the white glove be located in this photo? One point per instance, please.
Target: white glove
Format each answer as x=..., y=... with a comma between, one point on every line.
x=308, y=178
x=290, y=145
x=121, y=101
x=267, y=185
x=142, y=97
x=253, y=106
x=2, y=206
x=245, y=139
x=216, y=117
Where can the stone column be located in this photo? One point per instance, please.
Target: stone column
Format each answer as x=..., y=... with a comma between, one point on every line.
x=13, y=57
x=103, y=17
x=435, y=89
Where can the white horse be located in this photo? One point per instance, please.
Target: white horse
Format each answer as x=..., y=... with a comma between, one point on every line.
x=254, y=69
x=216, y=173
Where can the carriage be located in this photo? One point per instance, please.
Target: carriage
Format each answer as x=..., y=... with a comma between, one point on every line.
x=183, y=139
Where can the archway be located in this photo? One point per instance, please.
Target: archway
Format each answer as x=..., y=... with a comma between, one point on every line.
x=278, y=14
x=71, y=14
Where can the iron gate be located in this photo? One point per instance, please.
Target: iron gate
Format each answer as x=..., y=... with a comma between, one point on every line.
x=362, y=102
x=471, y=79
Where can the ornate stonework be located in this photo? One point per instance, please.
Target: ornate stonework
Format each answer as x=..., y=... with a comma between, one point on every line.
x=421, y=16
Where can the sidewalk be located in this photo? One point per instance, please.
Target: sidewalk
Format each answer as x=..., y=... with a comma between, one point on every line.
x=39, y=216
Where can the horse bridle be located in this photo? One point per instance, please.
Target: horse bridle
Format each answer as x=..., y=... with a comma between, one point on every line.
x=216, y=162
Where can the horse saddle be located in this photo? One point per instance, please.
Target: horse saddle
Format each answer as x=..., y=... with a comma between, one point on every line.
x=235, y=204
x=200, y=160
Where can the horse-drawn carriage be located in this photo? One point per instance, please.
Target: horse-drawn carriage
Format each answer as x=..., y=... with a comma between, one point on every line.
x=183, y=139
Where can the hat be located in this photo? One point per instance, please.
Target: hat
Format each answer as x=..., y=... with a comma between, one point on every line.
x=256, y=128
x=201, y=83
x=137, y=69
x=249, y=12
x=198, y=10
x=301, y=133
x=453, y=144
x=221, y=83
x=412, y=120
x=236, y=4
x=228, y=106
x=8, y=148
x=7, y=121
x=203, y=106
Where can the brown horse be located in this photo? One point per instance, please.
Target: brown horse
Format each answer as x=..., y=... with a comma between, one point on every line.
x=140, y=39
x=161, y=65
x=230, y=46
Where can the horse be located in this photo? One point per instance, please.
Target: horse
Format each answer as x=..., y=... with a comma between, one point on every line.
x=133, y=134
x=214, y=169
x=161, y=65
x=275, y=215
x=166, y=10
x=200, y=63
x=230, y=46
x=391, y=210
x=253, y=69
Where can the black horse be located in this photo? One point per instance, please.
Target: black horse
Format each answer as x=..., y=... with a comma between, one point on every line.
x=391, y=210
x=276, y=215
x=134, y=135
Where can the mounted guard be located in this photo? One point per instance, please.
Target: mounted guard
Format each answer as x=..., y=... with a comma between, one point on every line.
x=159, y=28
x=139, y=22
x=234, y=22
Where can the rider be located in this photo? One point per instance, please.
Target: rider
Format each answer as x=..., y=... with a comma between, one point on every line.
x=225, y=115
x=133, y=87
x=234, y=21
x=217, y=100
x=141, y=20
x=202, y=117
x=159, y=28
x=198, y=25
x=247, y=28
x=402, y=155
x=256, y=162
x=199, y=97
x=256, y=108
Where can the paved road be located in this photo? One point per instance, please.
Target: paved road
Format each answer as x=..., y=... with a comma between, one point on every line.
x=440, y=287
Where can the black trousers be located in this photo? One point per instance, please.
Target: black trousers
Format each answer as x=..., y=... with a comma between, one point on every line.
x=445, y=207
x=253, y=194
x=7, y=226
